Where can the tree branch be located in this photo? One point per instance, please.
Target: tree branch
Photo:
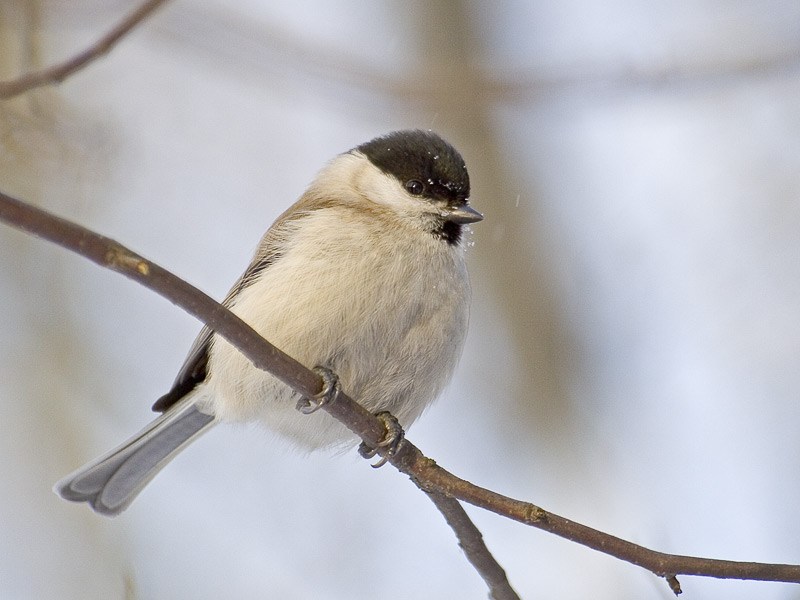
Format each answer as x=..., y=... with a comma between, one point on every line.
x=440, y=485
x=112, y=255
x=59, y=72
x=471, y=541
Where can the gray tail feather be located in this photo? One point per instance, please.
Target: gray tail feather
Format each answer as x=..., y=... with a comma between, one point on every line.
x=111, y=482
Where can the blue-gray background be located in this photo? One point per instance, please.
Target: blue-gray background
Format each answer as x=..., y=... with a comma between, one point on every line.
x=632, y=361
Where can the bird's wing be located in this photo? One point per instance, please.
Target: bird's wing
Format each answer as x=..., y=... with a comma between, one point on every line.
x=194, y=369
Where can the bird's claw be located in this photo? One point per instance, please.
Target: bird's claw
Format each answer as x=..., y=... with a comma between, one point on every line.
x=330, y=389
x=392, y=441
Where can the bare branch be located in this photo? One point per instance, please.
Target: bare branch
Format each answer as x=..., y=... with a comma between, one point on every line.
x=471, y=541
x=57, y=73
x=439, y=484
x=428, y=475
x=112, y=255
x=223, y=35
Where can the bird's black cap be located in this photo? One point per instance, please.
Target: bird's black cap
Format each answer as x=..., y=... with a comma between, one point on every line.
x=424, y=156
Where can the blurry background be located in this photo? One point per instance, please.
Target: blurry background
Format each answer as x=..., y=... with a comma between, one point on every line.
x=632, y=361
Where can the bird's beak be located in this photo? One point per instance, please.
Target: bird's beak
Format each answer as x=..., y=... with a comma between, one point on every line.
x=463, y=214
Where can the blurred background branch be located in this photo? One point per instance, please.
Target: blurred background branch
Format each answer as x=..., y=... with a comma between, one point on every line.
x=58, y=72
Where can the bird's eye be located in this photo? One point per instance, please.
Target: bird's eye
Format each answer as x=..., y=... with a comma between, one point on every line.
x=414, y=187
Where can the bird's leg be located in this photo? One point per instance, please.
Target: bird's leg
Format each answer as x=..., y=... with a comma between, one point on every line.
x=330, y=389
x=393, y=440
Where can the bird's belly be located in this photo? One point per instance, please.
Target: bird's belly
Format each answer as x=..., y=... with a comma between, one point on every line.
x=393, y=349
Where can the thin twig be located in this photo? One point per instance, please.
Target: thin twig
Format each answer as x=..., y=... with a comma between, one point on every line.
x=59, y=72
x=423, y=471
x=471, y=541
x=428, y=475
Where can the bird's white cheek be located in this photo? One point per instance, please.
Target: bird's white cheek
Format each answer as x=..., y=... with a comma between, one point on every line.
x=386, y=191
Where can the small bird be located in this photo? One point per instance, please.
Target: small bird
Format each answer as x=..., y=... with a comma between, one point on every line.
x=363, y=277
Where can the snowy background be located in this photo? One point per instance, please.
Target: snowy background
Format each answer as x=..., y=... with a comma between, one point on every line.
x=633, y=360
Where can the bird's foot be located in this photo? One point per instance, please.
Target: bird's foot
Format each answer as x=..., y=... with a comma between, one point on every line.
x=392, y=441
x=330, y=389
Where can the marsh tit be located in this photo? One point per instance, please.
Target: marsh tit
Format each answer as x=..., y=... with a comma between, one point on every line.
x=363, y=276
